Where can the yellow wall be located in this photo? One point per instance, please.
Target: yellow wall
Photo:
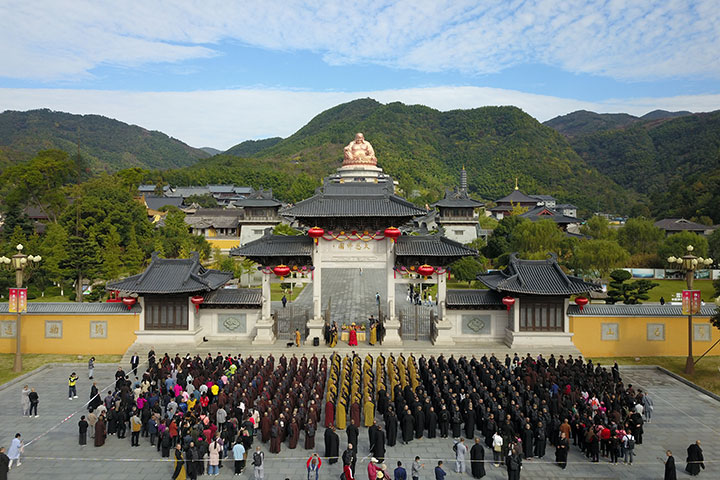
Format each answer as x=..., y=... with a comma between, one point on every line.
x=224, y=243
x=75, y=334
x=633, y=336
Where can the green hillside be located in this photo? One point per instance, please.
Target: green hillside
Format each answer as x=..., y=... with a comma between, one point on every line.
x=425, y=149
x=675, y=161
x=106, y=144
x=251, y=147
x=583, y=122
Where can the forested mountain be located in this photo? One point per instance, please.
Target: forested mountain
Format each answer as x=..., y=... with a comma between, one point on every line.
x=583, y=122
x=675, y=161
x=105, y=144
x=251, y=147
x=424, y=149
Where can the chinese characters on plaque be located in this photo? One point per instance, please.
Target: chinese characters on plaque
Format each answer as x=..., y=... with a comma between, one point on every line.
x=17, y=301
x=691, y=302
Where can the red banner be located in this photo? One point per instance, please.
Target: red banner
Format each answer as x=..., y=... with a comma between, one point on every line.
x=12, y=300
x=22, y=300
x=691, y=302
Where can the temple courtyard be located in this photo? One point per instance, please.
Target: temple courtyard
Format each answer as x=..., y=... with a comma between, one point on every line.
x=682, y=415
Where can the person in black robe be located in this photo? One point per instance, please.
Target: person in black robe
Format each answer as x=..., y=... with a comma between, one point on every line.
x=444, y=421
x=670, y=472
x=407, y=425
x=561, y=451
x=456, y=420
x=190, y=455
x=470, y=422
x=378, y=446
x=4, y=464
x=371, y=434
x=490, y=429
x=477, y=460
x=332, y=445
x=419, y=422
x=540, y=441
x=352, y=433
x=694, y=459
x=527, y=441
x=165, y=443
x=95, y=400
x=431, y=419
x=179, y=461
x=391, y=425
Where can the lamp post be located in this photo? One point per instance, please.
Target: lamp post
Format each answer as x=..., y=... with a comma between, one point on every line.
x=19, y=262
x=689, y=263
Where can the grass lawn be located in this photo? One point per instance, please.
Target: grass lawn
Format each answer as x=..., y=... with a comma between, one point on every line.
x=668, y=288
x=31, y=361
x=706, y=371
x=276, y=293
x=50, y=299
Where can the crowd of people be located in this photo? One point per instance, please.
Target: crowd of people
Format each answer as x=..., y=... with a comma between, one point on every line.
x=199, y=411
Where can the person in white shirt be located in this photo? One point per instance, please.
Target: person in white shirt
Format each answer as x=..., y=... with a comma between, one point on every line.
x=497, y=443
x=628, y=448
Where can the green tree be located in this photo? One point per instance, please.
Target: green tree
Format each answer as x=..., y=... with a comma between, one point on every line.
x=536, y=239
x=81, y=262
x=676, y=245
x=598, y=228
x=54, y=252
x=714, y=245
x=39, y=182
x=598, y=257
x=499, y=242
x=133, y=256
x=640, y=235
x=285, y=229
x=629, y=293
x=111, y=254
x=467, y=269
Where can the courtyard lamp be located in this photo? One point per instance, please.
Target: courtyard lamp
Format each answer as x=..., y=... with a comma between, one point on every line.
x=689, y=263
x=20, y=263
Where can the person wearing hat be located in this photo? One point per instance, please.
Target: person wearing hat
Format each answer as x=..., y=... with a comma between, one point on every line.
x=372, y=469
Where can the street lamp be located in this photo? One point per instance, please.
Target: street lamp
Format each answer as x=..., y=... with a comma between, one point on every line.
x=19, y=262
x=689, y=263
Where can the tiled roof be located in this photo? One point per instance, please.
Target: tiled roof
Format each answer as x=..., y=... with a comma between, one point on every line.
x=214, y=217
x=172, y=275
x=473, y=298
x=259, y=198
x=430, y=246
x=543, y=198
x=458, y=198
x=75, y=308
x=355, y=199
x=233, y=296
x=542, y=213
x=643, y=310
x=674, y=224
x=517, y=197
x=276, y=246
x=535, y=277
x=156, y=203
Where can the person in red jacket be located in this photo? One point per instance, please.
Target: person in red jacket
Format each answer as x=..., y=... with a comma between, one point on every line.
x=348, y=473
x=313, y=467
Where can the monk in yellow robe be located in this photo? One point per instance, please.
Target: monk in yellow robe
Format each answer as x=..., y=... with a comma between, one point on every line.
x=341, y=417
x=369, y=412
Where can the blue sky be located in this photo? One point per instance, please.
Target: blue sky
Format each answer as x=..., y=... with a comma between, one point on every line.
x=214, y=73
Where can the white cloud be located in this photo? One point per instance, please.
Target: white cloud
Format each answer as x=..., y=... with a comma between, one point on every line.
x=622, y=39
x=222, y=118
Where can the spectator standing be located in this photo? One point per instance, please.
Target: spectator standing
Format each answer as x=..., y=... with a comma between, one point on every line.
x=82, y=430
x=72, y=388
x=628, y=448
x=460, y=451
x=16, y=448
x=439, y=472
x=400, y=473
x=239, y=456
x=258, y=460
x=25, y=400
x=91, y=368
x=415, y=469
x=4, y=463
x=34, y=400
x=313, y=467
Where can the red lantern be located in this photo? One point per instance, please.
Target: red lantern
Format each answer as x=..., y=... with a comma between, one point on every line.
x=197, y=300
x=129, y=302
x=281, y=271
x=315, y=233
x=581, y=302
x=508, y=302
x=425, y=270
x=392, y=233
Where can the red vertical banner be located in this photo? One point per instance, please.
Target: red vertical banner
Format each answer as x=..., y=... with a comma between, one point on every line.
x=13, y=300
x=691, y=302
x=22, y=300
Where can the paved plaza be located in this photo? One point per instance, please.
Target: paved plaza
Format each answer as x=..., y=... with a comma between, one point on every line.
x=682, y=415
